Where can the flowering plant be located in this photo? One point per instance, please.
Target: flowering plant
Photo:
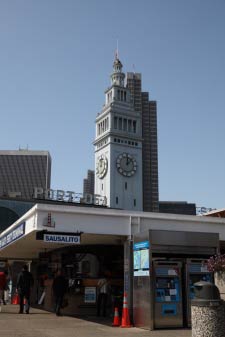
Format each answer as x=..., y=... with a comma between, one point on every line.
x=216, y=263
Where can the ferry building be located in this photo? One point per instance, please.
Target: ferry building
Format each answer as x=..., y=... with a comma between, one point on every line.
x=154, y=257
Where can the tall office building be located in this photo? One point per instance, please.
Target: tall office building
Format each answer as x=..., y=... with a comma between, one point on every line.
x=89, y=183
x=148, y=111
x=22, y=170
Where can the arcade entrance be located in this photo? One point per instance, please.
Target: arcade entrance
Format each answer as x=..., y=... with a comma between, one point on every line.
x=83, y=266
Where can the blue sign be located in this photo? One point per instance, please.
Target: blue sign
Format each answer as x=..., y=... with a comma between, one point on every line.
x=12, y=235
x=90, y=295
x=141, y=245
x=141, y=258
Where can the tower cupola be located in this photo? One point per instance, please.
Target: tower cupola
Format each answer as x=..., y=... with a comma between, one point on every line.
x=117, y=77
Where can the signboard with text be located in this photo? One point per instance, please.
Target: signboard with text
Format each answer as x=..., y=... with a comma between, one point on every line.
x=13, y=235
x=69, y=196
x=89, y=294
x=141, y=258
x=61, y=238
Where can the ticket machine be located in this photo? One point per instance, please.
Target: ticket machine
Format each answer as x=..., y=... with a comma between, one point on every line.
x=168, y=311
x=196, y=271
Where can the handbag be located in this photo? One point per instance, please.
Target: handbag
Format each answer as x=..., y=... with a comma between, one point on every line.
x=16, y=299
x=41, y=298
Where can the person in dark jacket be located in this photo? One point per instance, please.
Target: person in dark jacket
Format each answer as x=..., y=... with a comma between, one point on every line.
x=24, y=284
x=59, y=288
x=2, y=286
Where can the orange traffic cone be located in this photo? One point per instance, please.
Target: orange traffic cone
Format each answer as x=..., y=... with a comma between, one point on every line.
x=125, y=315
x=116, y=321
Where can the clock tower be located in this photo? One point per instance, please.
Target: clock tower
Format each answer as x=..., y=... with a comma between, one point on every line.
x=118, y=146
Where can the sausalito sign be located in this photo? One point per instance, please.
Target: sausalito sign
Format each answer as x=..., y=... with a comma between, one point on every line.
x=59, y=237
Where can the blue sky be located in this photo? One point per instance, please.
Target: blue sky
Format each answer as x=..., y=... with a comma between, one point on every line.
x=55, y=61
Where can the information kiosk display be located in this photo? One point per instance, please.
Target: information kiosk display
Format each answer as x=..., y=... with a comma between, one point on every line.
x=196, y=271
x=167, y=294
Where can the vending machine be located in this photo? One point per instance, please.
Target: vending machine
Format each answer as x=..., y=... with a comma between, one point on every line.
x=196, y=271
x=168, y=309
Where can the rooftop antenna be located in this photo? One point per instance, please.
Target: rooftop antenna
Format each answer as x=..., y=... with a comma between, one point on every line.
x=133, y=68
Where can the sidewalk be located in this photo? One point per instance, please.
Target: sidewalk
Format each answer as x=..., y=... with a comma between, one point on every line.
x=44, y=324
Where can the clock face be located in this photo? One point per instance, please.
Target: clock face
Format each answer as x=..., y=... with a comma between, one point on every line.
x=102, y=166
x=126, y=165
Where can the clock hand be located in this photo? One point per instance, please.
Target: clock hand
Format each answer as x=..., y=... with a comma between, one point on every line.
x=128, y=161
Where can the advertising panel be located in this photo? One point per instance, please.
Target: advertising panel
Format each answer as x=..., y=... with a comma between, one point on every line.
x=90, y=294
x=141, y=258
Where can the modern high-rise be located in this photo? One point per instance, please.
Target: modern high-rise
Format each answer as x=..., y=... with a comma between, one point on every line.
x=148, y=111
x=23, y=170
x=126, y=157
x=89, y=183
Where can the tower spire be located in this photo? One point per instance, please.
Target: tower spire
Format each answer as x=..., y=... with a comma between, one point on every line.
x=117, y=76
x=117, y=49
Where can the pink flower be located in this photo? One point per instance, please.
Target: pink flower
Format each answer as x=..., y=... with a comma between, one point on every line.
x=216, y=263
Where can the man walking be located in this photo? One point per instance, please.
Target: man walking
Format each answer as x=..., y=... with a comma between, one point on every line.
x=59, y=288
x=24, y=283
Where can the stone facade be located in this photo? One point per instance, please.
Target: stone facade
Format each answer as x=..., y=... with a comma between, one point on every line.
x=208, y=321
x=220, y=283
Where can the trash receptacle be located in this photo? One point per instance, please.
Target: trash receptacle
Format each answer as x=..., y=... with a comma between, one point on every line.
x=207, y=311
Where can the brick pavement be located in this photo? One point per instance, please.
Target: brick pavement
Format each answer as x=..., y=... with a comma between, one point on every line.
x=45, y=324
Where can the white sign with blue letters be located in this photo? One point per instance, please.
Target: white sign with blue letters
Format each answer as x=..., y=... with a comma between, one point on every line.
x=62, y=238
x=12, y=235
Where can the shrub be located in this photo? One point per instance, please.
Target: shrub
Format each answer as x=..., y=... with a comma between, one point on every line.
x=216, y=263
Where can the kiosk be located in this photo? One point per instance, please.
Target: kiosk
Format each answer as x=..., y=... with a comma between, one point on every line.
x=168, y=309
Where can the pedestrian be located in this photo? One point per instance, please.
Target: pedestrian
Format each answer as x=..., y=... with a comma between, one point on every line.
x=2, y=286
x=5, y=297
x=59, y=288
x=102, y=299
x=24, y=284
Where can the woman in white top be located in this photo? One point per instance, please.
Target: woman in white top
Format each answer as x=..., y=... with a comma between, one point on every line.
x=102, y=297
